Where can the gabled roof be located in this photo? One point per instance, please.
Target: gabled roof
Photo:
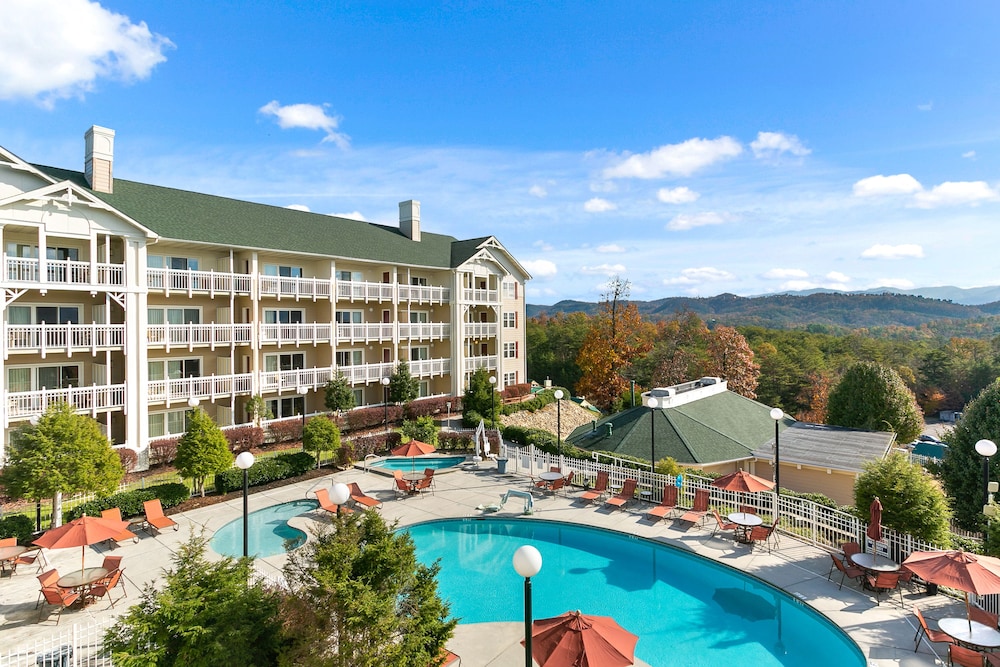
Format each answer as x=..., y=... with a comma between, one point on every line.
x=833, y=447
x=190, y=216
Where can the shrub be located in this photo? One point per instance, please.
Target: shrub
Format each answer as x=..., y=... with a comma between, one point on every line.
x=130, y=502
x=128, y=458
x=454, y=441
x=19, y=526
x=471, y=418
x=358, y=448
x=264, y=471
x=423, y=429
x=244, y=438
x=319, y=435
x=430, y=406
x=516, y=390
x=163, y=451
x=363, y=418
x=286, y=430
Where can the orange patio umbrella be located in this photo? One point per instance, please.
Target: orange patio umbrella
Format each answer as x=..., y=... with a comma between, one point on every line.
x=959, y=570
x=414, y=448
x=81, y=533
x=743, y=482
x=578, y=640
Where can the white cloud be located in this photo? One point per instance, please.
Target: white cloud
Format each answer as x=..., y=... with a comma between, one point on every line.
x=309, y=117
x=783, y=274
x=676, y=159
x=955, y=193
x=603, y=269
x=538, y=191
x=769, y=145
x=797, y=285
x=700, y=275
x=540, y=268
x=353, y=215
x=971, y=155
x=543, y=245
x=684, y=221
x=876, y=186
x=55, y=49
x=898, y=283
x=838, y=277
x=298, y=207
x=598, y=205
x=610, y=247
x=679, y=195
x=925, y=107
x=882, y=251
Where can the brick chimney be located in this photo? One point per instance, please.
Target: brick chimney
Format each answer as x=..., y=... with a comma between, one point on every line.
x=99, y=158
x=409, y=219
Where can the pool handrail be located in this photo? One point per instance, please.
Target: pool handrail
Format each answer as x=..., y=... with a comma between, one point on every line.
x=529, y=505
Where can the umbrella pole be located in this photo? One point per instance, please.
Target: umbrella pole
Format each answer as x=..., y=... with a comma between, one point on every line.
x=968, y=611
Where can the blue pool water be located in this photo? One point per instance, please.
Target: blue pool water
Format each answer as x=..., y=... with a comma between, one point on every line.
x=268, y=530
x=417, y=464
x=686, y=610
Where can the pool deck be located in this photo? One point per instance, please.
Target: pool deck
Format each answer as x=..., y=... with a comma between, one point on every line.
x=884, y=632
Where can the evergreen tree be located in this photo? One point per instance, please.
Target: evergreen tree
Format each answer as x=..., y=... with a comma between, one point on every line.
x=403, y=387
x=423, y=429
x=874, y=397
x=320, y=435
x=64, y=453
x=481, y=398
x=912, y=501
x=202, y=451
x=339, y=395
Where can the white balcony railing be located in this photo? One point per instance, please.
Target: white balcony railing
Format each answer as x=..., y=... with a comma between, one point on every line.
x=363, y=333
x=480, y=295
x=298, y=288
x=424, y=294
x=92, y=400
x=430, y=367
x=480, y=329
x=475, y=363
x=68, y=338
x=356, y=290
x=65, y=272
x=200, y=282
x=428, y=331
x=298, y=334
x=197, y=335
x=291, y=381
x=209, y=387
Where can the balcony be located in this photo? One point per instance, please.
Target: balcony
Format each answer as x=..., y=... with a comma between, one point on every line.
x=197, y=335
x=490, y=296
x=203, y=388
x=295, y=334
x=355, y=290
x=93, y=399
x=424, y=294
x=429, y=368
x=363, y=333
x=475, y=363
x=480, y=329
x=297, y=288
x=291, y=381
x=63, y=338
x=431, y=331
x=65, y=272
x=197, y=282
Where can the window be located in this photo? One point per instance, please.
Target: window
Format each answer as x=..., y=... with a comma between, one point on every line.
x=510, y=350
x=167, y=423
x=421, y=282
x=291, y=316
x=173, y=316
x=26, y=250
x=359, y=396
x=46, y=314
x=284, y=362
x=350, y=276
x=509, y=379
x=421, y=353
x=509, y=289
x=32, y=378
x=292, y=406
x=175, y=263
x=283, y=271
x=419, y=317
x=423, y=389
x=350, y=316
x=174, y=369
x=510, y=320
x=350, y=358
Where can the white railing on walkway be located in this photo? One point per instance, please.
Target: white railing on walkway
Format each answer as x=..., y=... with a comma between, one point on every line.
x=184, y=280
x=93, y=399
x=363, y=333
x=65, y=272
x=475, y=363
x=44, y=338
x=298, y=334
x=292, y=380
x=299, y=288
x=480, y=295
x=209, y=387
x=430, y=367
x=424, y=294
x=359, y=290
x=190, y=335
x=428, y=331
x=480, y=329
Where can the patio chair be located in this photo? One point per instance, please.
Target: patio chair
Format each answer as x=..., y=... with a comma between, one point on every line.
x=155, y=519
x=600, y=488
x=59, y=598
x=907, y=577
x=112, y=563
x=667, y=505
x=760, y=534
x=423, y=485
x=992, y=659
x=29, y=558
x=556, y=485
x=987, y=618
x=748, y=509
x=720, y=524
x=402, y=487
x=699, y=510
x=625, y=495
x=846, y=570
x=884, y=582
x=850, y=548
x=323, y=496
x=964, y=657
x=47, y=579
x=104, y=587
x=115, y=514
x=772, y=533
x=937, y=636
x=360, y=498
x=429, y=472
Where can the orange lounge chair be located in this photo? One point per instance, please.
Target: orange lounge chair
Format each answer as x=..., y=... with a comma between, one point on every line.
x=667, y=505
x=979, y=615
x=600, y=488
x=626, y=494
x=850, y=548
x=424, y=485
x=323, y=496
x=360, y=498
x=700, y=509
x=115, y=514
x=47, y=579
x=155, y=519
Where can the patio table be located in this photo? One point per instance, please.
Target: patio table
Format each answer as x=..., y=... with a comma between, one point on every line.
x=746, y=521
x=980, y=636
x=81, y=581
x=875, y=563
x=550, y=476
x=9, y=554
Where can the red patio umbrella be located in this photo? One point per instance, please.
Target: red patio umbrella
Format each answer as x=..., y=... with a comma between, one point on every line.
x=959, y=570
x=875, y=520
x=743, y=482
x=81, y=533
x=577, y=640
x=414, y=448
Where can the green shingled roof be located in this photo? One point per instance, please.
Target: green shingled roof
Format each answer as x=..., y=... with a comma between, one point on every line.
x=721, y=427
x=191, y=216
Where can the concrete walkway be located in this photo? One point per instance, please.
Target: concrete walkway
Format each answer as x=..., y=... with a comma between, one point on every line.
x=884, y=633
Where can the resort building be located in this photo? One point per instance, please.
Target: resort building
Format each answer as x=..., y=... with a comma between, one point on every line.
x=133, y=301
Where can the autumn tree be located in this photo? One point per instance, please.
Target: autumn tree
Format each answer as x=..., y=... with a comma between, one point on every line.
x=617, y=337
x=815, y=395
x=872, y=396
x=731, y=358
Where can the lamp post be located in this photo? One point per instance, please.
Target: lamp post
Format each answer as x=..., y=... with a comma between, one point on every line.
x=33, y=420
x=777, y=415
x=243, y=462
x=559, y=397
x=493, y=391
x=527, y=563
x=653, y=404
x=305, y=390
x=339, y=495
x=193, y=402
x=385, y=403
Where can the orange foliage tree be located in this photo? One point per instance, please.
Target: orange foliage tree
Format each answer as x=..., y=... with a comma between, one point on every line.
x=731, y=358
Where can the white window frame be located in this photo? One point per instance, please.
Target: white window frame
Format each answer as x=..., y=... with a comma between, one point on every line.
x=273, y=315
x=509, y=288
x=165, y=314
x=276, y=360
x=286, y=406
x=418, y=281
x=509, y=379
x=510, y=320
x=510, y=350
x=165, y=427
x=33, y=307
x=351, y=276
x=167, y=261
x=420, y=353
x=355, y=355
x=352, y=316
x=420, y=316
x=423, y=389
x=164, y=363
x=35, y=383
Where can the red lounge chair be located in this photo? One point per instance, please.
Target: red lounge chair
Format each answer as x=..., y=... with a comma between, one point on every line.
x=932, y=635
x=850, y=548
x=667, y=505
x=359, y=497
x=424, y=485
x=700, y=509
x=600, y=488
x=323, y=496
x=555, y=485
x=625, y=495
x=115, y=514
x=155, y=519
x=846, y=570
x=47, y=579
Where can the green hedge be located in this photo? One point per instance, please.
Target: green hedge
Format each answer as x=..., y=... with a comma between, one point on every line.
x=130, y=502
x=19, y=526
x=264, y=471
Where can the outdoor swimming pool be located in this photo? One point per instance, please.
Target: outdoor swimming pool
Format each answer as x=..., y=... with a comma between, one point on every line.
x=686, y=610
x=267, y=531
x=418, y=463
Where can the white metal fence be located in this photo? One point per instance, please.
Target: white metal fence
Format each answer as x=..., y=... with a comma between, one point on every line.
x=70, y=646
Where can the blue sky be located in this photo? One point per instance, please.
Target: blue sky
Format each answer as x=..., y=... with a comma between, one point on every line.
x=692, y=148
